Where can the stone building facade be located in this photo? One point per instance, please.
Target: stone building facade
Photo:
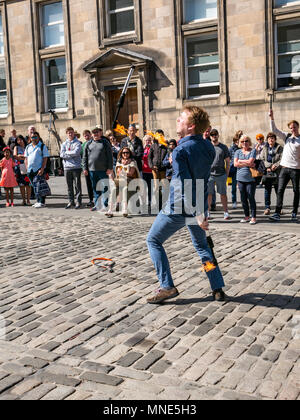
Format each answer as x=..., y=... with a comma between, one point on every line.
x=73, y=56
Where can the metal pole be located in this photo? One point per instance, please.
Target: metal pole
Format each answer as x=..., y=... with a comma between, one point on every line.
x=122, y=97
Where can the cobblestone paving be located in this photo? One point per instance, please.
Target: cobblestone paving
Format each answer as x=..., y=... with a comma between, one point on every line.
x=74, y=331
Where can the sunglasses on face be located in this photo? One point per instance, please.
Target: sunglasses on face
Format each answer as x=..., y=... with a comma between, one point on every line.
x=245, y=141
x=34, y=137
x=125, y=153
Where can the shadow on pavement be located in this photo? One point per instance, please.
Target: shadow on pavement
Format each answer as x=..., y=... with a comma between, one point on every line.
x=261, y=299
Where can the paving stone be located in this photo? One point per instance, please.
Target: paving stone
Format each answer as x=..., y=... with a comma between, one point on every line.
x=9, y=381
x=256, y=350
x=145, y=362
x=129, y=358
x=101, y=378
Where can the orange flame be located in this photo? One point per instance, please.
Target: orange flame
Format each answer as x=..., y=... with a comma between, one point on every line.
x=208, y=266
x=159, y=137
x=121, y=130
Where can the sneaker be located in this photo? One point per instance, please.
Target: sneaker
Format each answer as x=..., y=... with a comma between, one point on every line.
x=94, y=208
x=69, y=205
x=208, y=215
x=163, y=294
x=234, y=206
x=7, y=204
x=12, y=205
x=226, y=216
x=39, y=205
x=90, y=204
x=275, y=217
x=294, y=217
x=245, y=220
x=219, y=295
x=267, y=212
x=253, y=221
x=78, y=206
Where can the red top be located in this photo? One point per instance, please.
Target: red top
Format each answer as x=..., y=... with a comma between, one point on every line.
x=145, y=160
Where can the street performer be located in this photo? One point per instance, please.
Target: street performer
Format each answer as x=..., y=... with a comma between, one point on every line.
x=192, y=160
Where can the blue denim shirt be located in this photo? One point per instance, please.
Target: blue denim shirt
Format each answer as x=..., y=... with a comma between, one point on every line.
x=35, y=156
x=192, y=160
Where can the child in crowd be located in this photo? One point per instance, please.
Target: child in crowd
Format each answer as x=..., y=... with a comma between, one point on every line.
x=8, y=179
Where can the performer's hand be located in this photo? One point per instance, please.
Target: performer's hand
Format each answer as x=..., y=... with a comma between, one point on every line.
x=203, y=223
x=85, y=172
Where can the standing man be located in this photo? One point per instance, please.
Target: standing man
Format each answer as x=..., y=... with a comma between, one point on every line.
x=135, y=144
x=156, y=156
x=206, y=136
x=192, y=160
x=87, y=135
x=36, y=156
x=219, y=172
x=70, y=152
x=12, y=141
x=290, y=166
x=98, y=162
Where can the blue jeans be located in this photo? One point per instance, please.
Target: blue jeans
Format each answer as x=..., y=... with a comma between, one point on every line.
x=97, y=176
x=165, y=226
x=233, y=187
x=247, y=190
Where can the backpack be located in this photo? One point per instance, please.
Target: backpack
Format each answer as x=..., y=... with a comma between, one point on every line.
x=47, y=169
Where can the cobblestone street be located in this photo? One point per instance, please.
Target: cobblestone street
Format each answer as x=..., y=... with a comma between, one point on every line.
x=75, y=331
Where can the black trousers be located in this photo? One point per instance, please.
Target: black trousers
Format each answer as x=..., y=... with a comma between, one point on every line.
x=73, y=177
x=286, y=175
x=89, y=188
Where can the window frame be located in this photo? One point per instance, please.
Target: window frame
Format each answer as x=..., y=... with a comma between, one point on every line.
x=277, y=55
x=115, y=11
x=3, y=65
x=42, y=25
x=187, y=67
x=195, y=20
x=47, y=85
x=106, y=39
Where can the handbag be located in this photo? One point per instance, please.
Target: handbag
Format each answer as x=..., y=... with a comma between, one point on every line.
x=23, y=169
x=259, y=169
x=269, y=176
x=41, y=187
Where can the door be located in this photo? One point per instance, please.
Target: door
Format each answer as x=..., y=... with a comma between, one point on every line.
x=129, y=112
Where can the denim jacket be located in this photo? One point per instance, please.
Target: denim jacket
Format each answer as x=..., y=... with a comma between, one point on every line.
x=192, y=160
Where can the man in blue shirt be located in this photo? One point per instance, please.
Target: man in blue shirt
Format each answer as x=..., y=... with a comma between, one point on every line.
x=192, y=160
x=36, y=155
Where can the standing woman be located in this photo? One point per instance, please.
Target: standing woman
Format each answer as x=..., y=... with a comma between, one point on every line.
x=147, y=171
x=244, y=159
x=21, y=171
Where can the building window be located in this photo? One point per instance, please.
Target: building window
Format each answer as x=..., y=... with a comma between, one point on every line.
x=282, y=3
x=52, y=25
x=3, y=88
x=288, y=55
x=55, y=82
x=202, y=66
x=120, y=17
x=195, y=10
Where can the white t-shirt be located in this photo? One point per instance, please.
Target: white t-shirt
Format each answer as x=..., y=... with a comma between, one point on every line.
x=291, y=151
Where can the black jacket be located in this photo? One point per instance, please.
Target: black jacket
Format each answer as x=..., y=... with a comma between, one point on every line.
x=156, y=156
x=138, y=150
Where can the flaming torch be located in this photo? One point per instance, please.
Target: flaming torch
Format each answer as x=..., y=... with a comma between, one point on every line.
x=159, y=137
x=121, y=129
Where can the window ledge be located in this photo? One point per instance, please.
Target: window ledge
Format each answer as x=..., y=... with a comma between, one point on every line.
x=204, y=23
x=3, y=116
x=115, y=40
x=286, y=9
